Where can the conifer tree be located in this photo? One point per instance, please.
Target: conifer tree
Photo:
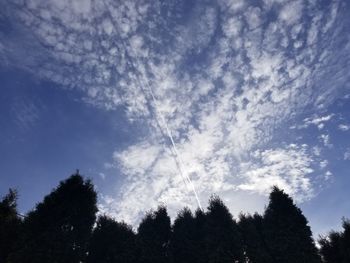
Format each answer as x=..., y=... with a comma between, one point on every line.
x=153, y=237
x=223, y=240
x=286, y=230
x=254, y=245
x=112, y=242
x=9, y=225
x=58, y=229
x=200, y=236
x=335, y=248
x=183, y=240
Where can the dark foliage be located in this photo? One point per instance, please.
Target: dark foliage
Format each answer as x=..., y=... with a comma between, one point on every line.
x=111, y=242
x=286, y=231
x=183, y=243
x=223, y=240
x=254, y=244
x=9, y=224
x=335, y=248
x=60, y=229
x=153, y=237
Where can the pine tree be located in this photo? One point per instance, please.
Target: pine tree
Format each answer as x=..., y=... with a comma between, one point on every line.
x=286, y=230
x=200, y=237
x=223, y=240
x=112, y=242
x=183, y=240
x=255, y=249
x=59, y=228
x=153, y=237
x=10, y=224
x=335, y=248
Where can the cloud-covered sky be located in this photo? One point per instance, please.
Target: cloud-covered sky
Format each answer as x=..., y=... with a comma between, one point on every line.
x=157, y=100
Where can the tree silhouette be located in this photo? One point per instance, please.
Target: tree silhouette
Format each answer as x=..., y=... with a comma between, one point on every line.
x=183, y=240
x=335, y=248
x=286, y=230
x=200, y=237
x=58, y=229
x=153, y=237
x=9, y=225
x=254, y=245
x=223, y=241
x=111, y=242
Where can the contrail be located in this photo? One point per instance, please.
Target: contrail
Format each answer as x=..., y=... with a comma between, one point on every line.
x=181, y=166
x=177, y=156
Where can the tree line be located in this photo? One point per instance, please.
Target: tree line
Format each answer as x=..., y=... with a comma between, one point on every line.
x=65, y=228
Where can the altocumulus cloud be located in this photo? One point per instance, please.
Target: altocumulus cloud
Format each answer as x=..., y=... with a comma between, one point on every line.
x=226, y=77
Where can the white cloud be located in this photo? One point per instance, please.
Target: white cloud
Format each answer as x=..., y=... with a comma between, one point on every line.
x=344, y=127
x=102, y=175
x=291, y=12
x=347, y=154
x=286, y=168
x=318, y=121
x=328, y=175
x=323, y=164
x=325, y=139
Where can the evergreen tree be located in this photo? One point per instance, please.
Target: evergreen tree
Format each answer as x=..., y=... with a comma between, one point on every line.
x=183, y=240
x=59, y=228
x=255, y=249
x=200, y=237
x=9, y=225
x=288, y=236
x=223, y=241
x=153, y=236
x=112, y=242
x=335, y=248
x=346, y=241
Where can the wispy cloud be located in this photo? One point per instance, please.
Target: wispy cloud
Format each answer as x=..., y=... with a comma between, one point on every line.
x=287, y=168
x=26, y=113
x=344, y=127
x=318, y=121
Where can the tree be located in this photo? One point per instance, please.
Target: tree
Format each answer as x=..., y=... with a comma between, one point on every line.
x=223, y=241
x=286, y=230
x=200, y=237
x=59, y=228
x=9, y=225
x=254, y=245
x=153, y=236
x=335, y=248
x=112, y=242
x=183, y=240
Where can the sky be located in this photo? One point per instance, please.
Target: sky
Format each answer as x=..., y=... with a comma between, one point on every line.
x=170, y=102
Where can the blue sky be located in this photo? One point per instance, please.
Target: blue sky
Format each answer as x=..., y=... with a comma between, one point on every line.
x=142, y=96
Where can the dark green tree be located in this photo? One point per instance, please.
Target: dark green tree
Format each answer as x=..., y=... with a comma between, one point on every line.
x=9, y=225
x=287, y=234
x=223, y=240
x=153, y=237
x=335, y=248
x=112, y=242
x=59, y=228
x=255, y=249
